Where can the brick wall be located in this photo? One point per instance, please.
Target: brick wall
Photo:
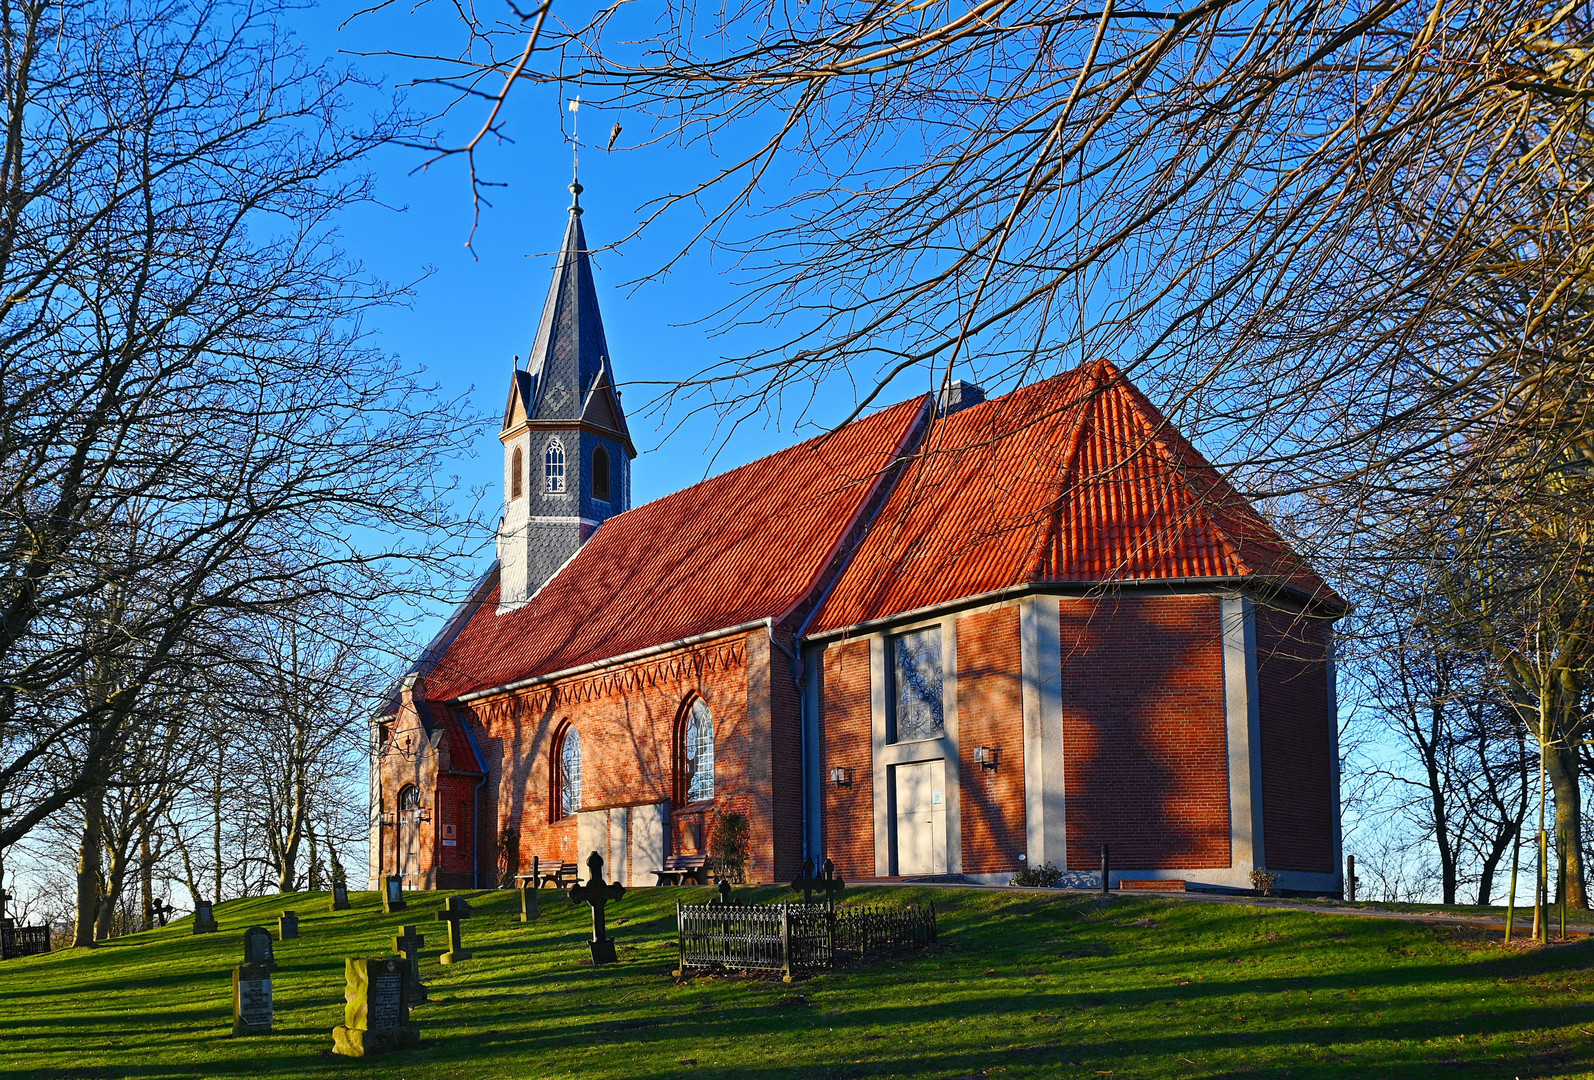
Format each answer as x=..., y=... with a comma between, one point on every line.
x=848, y=818
x=991, y=713
x=626, y=718
x=1297, y=741
x=786, y=764
x=1143, y=732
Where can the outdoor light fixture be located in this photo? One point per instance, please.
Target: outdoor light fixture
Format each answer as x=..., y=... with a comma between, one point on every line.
x=839, y=777
x=986, y=756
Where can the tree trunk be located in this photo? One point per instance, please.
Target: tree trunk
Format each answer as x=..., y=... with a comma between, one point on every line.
x=88, y=869
x=146, y=878
x=1561, y=764
x=215, y=810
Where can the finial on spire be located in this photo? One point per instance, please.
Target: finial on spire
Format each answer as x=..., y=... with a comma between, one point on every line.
x=575, y=154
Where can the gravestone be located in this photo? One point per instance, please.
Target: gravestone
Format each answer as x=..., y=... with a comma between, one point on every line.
x=393, y=894
x=826, y=882
x=409, y=944
x=723, y=899
x=257, y=948
x=161, y=910
x=340, y=897
x=455, y=910
x=204, y=917
x=597, y=894
x=251, y=1000
x=288, y=926
x=376, y=1013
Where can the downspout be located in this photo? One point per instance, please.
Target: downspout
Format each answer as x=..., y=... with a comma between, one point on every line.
x=802, y=725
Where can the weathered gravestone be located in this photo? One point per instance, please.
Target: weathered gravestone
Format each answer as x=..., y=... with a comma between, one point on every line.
x=376, y=1013
x=393, y=894
x=409, y=943
x=530, y=909
x=251, y=999
x=723, y=897
x=204, y=917
x=161, y=910
x=288, y=926
x=340, y=897
x=455, y=910
x=257, y=948
x=597, y=894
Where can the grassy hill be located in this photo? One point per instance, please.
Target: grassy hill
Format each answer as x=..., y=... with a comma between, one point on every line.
x=1022, y=985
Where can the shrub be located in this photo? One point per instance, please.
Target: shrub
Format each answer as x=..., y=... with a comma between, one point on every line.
x=1044, y=876
x=727, y=846
x=1263, y=881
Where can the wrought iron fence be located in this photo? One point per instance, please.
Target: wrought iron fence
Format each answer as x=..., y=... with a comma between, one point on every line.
x=23, y=941
x=791, y=938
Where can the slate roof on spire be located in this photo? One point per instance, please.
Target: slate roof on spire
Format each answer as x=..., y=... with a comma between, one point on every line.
x=570, y=351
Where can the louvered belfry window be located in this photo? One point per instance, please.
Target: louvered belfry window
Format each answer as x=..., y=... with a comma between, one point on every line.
x=553, y=466
x=916, y=675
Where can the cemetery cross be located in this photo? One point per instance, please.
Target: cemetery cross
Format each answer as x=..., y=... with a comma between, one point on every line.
x=455, y=910
x=597, y=894
x=161, y=909
x=409, y=943
x=826, y=882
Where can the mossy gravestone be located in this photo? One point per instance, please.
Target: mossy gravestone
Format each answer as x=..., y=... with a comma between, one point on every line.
x=340, y=897
x=257, y=948
x=251, y=1000
x=288, y=926
x=376, y=1016
x=204, y=917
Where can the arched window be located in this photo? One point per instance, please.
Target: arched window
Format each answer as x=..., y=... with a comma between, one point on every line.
x=567, y=774
x=696, y=754
x=517, y=470
x=409, y=799
x=553, y=466
x=600, y=474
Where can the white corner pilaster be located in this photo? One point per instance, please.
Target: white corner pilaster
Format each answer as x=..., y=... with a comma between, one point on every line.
x=1045, y=807
x=879, y=772
x=953, y=774
x=1243, y=722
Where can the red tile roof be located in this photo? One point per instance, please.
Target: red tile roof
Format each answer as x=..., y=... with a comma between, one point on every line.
x=1078, y=479
x=747, y=545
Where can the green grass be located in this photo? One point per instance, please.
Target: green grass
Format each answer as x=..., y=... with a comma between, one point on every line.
x=1022, y=985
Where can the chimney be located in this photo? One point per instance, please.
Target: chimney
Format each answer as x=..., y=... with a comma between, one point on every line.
x=957, y=396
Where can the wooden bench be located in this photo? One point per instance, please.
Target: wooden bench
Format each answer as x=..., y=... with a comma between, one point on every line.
x=561, y=874
x=678, y=868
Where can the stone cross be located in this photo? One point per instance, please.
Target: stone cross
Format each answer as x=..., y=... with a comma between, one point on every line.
x=826, y=882
x=204, y=917
x=161, y=909
x=392, y=894
x=288, y=926
x=257, y=948
x=597, y=894
x=409, y=943
x=376, y=1013
x=452, y=913
x=251, y=1000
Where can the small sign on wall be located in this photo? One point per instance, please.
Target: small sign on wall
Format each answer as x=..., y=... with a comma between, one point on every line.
x=450, y=837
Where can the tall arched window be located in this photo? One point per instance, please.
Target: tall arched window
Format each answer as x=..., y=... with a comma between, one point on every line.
x=567, y=773
x=696, y=754
x=409, y=800
x=553, y=466
x=517, y=470
x=600, y=474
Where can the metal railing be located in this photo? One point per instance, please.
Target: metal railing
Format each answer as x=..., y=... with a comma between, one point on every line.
x=793, y=938
x=23, y=941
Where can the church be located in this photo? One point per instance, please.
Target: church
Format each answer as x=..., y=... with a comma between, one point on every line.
x=959, y=636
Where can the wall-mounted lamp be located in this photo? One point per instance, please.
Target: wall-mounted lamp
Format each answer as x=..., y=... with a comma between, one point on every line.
x=841, y=777
x=986, y=757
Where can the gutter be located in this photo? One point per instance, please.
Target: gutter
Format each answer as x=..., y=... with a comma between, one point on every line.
x=613, y=661
x=1082, y=588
